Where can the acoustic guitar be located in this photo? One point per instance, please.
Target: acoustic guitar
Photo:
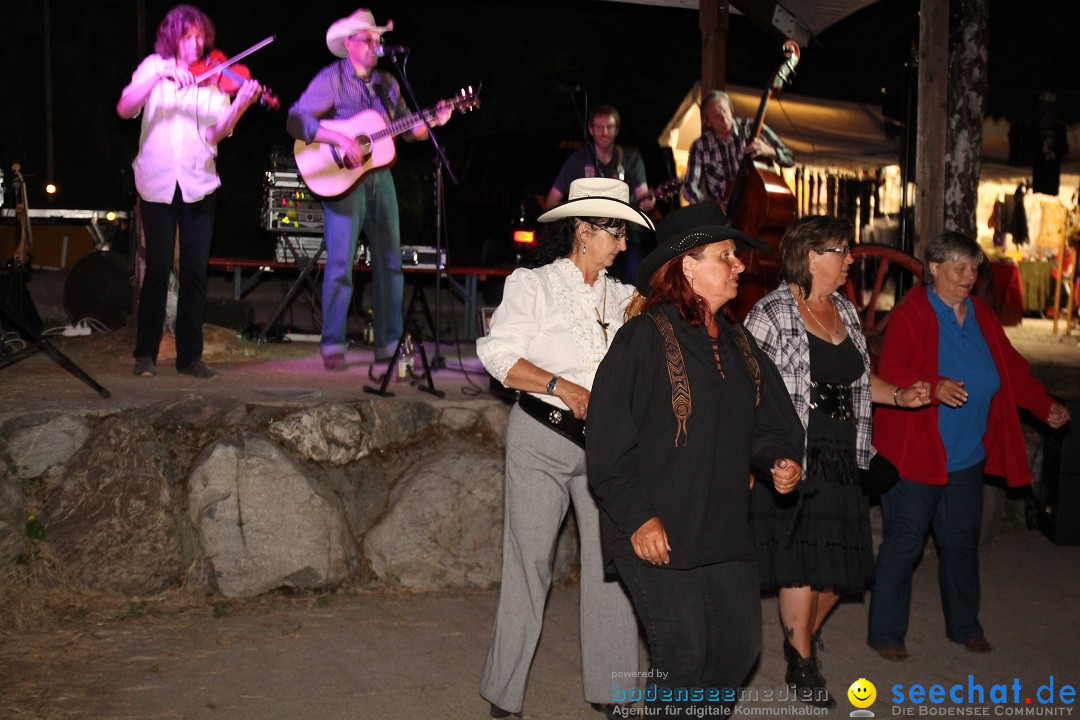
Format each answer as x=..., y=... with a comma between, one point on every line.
x=324, y=169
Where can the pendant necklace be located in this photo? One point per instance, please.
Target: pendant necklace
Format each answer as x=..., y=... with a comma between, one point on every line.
x=830, y=333
x=600, y=318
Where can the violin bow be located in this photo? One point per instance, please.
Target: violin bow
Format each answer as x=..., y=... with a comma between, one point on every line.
x=235, y=58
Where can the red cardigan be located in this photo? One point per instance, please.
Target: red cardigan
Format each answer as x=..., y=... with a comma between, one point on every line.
x=910, y=438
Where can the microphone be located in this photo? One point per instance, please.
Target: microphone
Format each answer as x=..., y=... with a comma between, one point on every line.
x=384, y=50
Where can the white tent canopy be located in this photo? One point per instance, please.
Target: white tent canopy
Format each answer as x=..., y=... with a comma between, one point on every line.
x=835, y=132
x=825, y=132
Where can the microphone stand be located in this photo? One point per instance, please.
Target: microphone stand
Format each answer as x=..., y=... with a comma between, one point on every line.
x=581, y=119
x=438, y=362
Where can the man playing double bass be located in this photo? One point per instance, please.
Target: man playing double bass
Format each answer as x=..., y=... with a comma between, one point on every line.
x=341, y=90
x=716, y=155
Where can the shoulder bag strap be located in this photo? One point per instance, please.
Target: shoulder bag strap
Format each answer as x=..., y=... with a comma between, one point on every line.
x=752, y=365
x=681, y=403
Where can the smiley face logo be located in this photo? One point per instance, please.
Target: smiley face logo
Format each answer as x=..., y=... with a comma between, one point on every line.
x=862, y=693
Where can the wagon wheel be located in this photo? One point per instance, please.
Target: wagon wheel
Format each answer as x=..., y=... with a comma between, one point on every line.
x=868, y=276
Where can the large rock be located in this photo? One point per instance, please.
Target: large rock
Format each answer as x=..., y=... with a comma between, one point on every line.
x=341, y=434
x=114, y=522
x=443, y=528
x=12, y=522
x=34, y=443
x=262, y=524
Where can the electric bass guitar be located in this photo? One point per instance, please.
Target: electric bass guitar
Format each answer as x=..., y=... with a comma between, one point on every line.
x=664, y=191
x=324, y=169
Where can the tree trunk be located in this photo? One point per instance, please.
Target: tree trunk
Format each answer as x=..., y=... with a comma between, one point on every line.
x=968, y=56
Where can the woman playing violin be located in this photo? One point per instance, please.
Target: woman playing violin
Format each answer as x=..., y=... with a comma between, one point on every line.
x=176, y=176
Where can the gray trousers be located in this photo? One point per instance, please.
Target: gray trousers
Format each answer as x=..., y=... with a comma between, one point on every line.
x=544, y=472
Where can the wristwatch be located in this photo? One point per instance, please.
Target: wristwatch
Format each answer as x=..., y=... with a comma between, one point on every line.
x=551, y=384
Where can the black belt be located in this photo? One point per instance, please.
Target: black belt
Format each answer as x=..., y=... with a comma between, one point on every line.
x=833, y=399
x=559, y=420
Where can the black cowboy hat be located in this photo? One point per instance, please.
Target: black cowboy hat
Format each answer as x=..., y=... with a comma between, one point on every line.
x=687, y=228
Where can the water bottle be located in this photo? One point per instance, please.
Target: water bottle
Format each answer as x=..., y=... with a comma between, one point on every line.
x=405, y=357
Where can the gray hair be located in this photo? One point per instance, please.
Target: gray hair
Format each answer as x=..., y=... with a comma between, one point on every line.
x=951, y=246
x=711, y=97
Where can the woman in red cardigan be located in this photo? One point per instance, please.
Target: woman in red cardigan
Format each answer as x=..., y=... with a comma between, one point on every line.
x=978, y=379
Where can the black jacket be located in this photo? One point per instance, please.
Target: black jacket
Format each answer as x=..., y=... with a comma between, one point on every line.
x=701, y=489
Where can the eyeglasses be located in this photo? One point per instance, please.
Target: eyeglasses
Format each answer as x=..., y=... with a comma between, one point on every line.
x=845, y=251
x=618, y=235
x=365, y=39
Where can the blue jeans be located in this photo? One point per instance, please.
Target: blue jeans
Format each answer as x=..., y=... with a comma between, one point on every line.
x=371, y=206
x=954, y=512
x=196, y=226
x=703, y=626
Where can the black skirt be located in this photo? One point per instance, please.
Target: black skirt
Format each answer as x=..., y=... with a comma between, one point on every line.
x=818, y=536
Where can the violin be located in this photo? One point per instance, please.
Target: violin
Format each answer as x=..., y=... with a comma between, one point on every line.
x=21, y=260
x=229, y=75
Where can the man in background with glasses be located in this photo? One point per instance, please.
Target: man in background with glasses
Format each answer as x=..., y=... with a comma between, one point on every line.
x=604, y=158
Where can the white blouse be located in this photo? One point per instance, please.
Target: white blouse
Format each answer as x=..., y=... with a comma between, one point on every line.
x=548, y=316
x=172, y=143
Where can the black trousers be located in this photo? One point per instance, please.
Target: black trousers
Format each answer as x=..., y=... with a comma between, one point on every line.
x=160, y=223
x=704, y=631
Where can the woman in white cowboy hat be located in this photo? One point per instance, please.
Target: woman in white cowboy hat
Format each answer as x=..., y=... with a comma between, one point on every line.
x=684, y=408
x=553, y=328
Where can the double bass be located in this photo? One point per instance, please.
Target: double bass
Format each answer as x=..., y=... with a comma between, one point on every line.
x=759, y=201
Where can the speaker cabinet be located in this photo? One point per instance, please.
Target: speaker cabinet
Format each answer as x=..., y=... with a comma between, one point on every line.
x=1059, y=491
x=99, y=287
x=236, y=315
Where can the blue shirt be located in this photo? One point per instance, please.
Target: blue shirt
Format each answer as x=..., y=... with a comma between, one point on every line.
x=964, y=356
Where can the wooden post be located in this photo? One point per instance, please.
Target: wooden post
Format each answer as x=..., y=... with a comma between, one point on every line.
x=1061, y=279
x=933, y=109
x=713, y=21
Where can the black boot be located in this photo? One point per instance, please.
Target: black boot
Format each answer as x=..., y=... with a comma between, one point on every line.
x=803, y=674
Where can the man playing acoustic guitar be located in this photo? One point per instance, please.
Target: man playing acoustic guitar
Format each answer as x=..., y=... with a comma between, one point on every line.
x=341, y=90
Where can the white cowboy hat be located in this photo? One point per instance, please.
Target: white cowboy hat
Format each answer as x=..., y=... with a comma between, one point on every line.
x=346, y=27
x=598, y=198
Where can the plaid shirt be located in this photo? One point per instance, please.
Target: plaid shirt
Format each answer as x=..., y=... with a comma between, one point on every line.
x=714, y=163
x=778, y=327
x=337, y=92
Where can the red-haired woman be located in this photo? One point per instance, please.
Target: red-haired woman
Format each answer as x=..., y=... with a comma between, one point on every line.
x=684, y=407
x=177, y=180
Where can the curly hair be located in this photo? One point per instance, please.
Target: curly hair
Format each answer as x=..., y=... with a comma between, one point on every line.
x=175, y=23
x=811, y=232
x=557, y=239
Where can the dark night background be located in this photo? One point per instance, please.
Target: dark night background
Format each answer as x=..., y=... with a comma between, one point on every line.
x=642, y=59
